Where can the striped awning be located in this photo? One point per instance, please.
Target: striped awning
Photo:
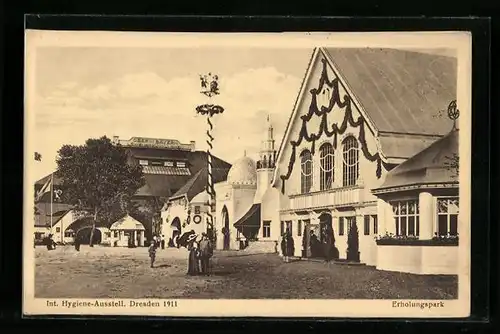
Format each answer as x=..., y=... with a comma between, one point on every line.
x=164, y=170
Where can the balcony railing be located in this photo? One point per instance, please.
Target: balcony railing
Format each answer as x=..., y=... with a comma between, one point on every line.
x=336, y=197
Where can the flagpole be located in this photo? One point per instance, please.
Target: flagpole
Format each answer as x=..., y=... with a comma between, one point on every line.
x=51, y=199
x=209, y=85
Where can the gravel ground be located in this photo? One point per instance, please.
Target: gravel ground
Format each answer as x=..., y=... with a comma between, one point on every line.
x=102, y=272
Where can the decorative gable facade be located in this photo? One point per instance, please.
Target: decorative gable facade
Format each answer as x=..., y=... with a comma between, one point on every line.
x=348, y=129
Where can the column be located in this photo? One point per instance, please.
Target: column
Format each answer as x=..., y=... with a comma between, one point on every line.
x=381, y=216
x=386, y=220
x=426, y=207
x=134, y=234
x=141, y=238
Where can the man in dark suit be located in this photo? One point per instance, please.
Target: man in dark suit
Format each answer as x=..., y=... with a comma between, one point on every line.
x=206, y=253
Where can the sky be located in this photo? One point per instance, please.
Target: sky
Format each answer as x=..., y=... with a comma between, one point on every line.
x=88, y=92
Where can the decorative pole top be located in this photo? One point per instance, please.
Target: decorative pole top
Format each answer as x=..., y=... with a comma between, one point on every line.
x=209, y=84
x=453, y=113
x=209, y=87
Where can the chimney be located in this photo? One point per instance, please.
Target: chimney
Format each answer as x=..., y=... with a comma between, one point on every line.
x=115, y=139
x=193, y=145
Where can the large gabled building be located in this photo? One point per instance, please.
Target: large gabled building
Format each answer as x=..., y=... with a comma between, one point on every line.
x=360, y=113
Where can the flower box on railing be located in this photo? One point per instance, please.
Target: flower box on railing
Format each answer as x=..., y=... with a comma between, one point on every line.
x=417, y=242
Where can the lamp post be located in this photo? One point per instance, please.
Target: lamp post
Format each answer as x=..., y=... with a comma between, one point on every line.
x=210, y=88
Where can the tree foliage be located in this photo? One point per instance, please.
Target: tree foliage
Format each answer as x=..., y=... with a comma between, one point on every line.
x=353, y=242
x=453, y=163
x=97, y=179
x=148, y=212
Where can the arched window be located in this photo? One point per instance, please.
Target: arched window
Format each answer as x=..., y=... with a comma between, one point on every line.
x=351, y=161
x=326, y=166
x=306, y=171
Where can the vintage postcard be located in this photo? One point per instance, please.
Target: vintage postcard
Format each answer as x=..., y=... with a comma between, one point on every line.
x=274, y=175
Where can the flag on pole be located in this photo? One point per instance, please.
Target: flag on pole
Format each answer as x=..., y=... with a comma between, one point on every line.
x=47, y=187
x=38, y=156
x=57, y=195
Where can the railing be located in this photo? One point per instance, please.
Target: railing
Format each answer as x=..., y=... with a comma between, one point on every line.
x=337, y=197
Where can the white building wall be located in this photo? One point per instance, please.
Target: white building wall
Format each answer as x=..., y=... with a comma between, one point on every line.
x=264, y=177
x=181, y=211
x=243, y=199
x=60, y=227
x=367, y=169
x=225, y=198
x=415, y=259
x=270, y=206
x=424, y=260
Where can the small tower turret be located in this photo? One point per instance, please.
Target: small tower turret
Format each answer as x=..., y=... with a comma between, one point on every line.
x=266, y=162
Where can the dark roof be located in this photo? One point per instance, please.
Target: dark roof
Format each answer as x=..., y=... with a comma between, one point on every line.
x=167, y=185
x=161, y=184
x=86, y=222
x=434, y=165
x=404, y=146
x=42, y=219
x=400, y=90
x=158, y=153
x=198, y=182
x=251, y=218
x=43, y=180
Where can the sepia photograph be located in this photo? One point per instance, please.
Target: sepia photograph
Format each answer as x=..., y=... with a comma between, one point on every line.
x=252, y=174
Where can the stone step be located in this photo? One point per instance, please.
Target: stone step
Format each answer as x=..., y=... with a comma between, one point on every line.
x=260, y=247
x=339, y=261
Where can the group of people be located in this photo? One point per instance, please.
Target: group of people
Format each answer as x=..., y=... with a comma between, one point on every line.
x=319, y=249
x=287, y=246
x=49, y=242
x=199, y=256
x=200, y=253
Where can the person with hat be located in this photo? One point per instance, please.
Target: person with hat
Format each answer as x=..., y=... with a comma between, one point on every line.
x=206, y=252
x=194, y=259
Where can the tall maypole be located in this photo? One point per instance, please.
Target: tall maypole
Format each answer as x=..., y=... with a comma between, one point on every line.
x=210, y=88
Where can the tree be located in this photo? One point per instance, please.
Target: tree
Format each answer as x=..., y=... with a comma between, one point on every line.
x=148, y=212
x=353, y=242
x=97, y=179
x=304, y=241
x=453, y=163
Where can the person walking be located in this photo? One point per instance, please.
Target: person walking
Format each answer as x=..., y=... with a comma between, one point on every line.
x=152, y=253
x=287, y=246
x=162, y=241
x=206, y=252
x=77, y=243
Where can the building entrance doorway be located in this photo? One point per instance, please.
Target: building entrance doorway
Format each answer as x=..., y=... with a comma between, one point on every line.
x=327, y=239
x=311, y=242
x=176, y=230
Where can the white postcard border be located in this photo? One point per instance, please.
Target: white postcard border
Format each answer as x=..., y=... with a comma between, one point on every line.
x=461, y=41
